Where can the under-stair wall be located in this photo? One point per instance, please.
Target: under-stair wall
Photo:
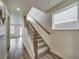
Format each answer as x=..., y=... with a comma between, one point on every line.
x=26, y=39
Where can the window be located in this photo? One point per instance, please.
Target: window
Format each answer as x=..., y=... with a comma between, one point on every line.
x=12, y=29
x=20, y=30
x=66, y=18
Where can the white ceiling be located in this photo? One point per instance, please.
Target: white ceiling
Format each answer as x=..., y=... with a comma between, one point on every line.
x=26, y=5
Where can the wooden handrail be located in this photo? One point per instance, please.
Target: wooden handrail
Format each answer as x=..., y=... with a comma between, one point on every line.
x=40, y=25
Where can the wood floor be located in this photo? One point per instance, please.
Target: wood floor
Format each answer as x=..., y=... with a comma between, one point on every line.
x=17, y=51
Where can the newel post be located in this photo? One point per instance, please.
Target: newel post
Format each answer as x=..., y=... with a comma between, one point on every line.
x=35, y=45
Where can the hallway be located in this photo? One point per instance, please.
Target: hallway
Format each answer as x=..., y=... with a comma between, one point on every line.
x=39, y=29
x=17, y=50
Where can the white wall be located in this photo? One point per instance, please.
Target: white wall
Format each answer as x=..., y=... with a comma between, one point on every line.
x=63, y=43
x=42, y=18
x=66, y=41
x=3, y=42
x=3, y=47
x=2, y=30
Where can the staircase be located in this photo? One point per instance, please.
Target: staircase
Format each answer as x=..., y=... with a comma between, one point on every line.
x=41, y=49
x=42, y=46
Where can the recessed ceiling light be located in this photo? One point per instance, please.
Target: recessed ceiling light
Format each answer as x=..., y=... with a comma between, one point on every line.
x=18, y=9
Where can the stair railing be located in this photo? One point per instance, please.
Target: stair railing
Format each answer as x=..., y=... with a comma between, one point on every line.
x=34, y=32
x=35, y=41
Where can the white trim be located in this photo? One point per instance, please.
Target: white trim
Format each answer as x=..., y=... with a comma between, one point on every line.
x=63, y=57
x=78, y=16
x=66, y=21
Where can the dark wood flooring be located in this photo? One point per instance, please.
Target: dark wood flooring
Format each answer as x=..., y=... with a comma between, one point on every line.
x=17, y=50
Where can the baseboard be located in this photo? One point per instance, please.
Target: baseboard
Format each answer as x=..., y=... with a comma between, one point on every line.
x=55, y=55
x=15, y=36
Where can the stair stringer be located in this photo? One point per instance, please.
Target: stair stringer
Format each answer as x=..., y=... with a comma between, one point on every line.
x=45, y=36
x=26, y=40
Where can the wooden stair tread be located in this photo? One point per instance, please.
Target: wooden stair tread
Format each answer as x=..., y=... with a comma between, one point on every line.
x=40, y=40
x=42, y=50
x=39, y=37
x=41, y=44
x=43, y=57
x=49, y=56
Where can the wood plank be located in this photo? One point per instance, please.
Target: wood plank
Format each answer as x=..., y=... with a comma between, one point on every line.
x=16, y=50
